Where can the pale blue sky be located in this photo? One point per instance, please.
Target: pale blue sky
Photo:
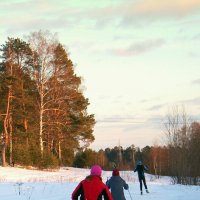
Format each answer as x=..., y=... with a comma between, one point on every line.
x=138, y=58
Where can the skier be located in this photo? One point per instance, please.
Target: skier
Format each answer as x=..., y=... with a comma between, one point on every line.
x=92, y=187
x=140, y=168
x=117, y=186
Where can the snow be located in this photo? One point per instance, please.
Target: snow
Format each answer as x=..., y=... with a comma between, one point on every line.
x=23, y=184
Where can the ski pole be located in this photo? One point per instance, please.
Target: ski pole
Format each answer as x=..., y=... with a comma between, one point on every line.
x=130, y=194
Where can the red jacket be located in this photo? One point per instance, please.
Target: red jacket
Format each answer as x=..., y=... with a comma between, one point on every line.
x=92, y=188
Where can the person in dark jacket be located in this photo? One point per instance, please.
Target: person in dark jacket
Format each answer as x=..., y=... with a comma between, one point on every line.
x=117, y=186
x=92, y=187
x=140, y=168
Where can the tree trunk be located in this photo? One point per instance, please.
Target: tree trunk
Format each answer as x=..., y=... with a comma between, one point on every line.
x=10, y=140
x=3, y=155
x=41, y=127
x=59, y=151
x=5, y=133
x=155, y=167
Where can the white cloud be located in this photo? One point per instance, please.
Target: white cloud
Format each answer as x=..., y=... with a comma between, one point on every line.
x=196, y=82
x=135, y=11
x=157, y=107
x=138, y=48
x=175, y=7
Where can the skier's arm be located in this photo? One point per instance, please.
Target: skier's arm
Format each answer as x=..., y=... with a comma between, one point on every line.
x=125, y=185
x=108, y=183
x=106, y=194
x=146, y=168
x=135, y=170
x=77, y=192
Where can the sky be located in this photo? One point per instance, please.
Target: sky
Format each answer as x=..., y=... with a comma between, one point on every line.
x=137, y=59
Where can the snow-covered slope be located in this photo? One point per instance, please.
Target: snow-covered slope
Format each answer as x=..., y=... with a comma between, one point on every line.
x=23, y=184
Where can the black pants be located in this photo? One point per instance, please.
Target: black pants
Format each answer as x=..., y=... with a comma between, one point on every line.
x=144, y=181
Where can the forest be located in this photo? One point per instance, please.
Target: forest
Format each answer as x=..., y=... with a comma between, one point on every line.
x=44, y=120
x=180, y=159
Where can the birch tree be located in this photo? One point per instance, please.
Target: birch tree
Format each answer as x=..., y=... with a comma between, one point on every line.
x=177, y=130
x=43, y=45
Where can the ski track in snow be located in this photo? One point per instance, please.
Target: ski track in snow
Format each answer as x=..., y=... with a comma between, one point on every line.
x=22, y=184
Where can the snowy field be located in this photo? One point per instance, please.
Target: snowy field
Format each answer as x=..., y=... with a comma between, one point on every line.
x=22, y=184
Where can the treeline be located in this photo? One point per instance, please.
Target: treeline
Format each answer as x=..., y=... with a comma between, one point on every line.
x=43, y=112
x=180, y=158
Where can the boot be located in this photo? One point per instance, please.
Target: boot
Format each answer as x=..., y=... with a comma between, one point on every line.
x=147, y=191
x=141, y=193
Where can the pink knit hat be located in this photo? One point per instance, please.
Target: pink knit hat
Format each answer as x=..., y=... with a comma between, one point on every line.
x=95, y=170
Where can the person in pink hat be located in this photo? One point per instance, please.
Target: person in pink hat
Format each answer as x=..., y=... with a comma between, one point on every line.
x=92, y=187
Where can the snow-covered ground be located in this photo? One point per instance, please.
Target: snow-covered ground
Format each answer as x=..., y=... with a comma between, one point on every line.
x=23, y=184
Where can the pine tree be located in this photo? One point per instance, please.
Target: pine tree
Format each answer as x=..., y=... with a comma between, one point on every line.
x=14, y=69
x=69, y=118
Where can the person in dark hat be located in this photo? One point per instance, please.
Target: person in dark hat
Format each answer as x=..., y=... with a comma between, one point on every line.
x=117, y=185
x=140, y=168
